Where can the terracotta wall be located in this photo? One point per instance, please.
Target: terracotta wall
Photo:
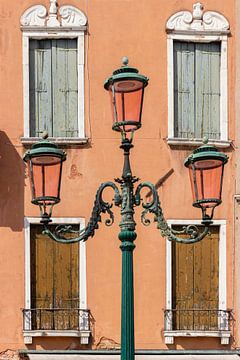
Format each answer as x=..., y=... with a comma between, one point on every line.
x=135, y=28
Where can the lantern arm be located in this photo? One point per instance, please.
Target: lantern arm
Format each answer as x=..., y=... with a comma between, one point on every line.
x=100, y=206
x=154, y=207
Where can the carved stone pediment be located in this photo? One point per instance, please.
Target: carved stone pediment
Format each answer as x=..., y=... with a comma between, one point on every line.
x=197, y=20
x=66, y=16
x=34, y=16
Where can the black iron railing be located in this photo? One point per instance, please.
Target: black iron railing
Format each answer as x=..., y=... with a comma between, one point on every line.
x=56, y=319
x=197, y=319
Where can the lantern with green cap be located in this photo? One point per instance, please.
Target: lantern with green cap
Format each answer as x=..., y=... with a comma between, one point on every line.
x=45, y=169
x=206, y=166
x=126, y=89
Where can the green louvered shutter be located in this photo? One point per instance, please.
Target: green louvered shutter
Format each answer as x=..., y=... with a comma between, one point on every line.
x=196, y=90
x=40, y=87
x=65, y=87
x=53, y=87
x=207, y=65
x=184, y=89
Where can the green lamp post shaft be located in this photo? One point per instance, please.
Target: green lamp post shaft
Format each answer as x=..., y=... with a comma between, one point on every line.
x=127, y=313
x=127, y=236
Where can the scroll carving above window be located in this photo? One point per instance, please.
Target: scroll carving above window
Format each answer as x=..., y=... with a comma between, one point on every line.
x=65, y=16
x=198, y=20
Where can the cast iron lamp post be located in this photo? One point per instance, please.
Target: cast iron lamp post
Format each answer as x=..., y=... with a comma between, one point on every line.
x=206, y=164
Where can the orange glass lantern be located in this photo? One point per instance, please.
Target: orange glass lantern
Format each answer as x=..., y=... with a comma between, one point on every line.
x=206, y=166
x=45, y=169
x=126, y=89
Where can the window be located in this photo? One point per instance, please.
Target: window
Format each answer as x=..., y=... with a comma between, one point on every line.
x=195, y=279
x=53, y=90
x=196, y=90
x=55, y=285
x=53, y=73
x=197, y=77
x=196, y=286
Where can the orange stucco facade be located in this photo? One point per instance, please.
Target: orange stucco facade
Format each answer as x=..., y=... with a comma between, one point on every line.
x=115, y=28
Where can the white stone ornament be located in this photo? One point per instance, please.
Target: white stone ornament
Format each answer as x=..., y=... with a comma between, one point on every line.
x=71, y=16
x=52, y=18
x=197, y=21
x=67, y=16
x=34, y=16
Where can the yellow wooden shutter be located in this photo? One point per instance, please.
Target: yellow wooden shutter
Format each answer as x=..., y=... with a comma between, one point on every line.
x=54, y=281
x=195, y=283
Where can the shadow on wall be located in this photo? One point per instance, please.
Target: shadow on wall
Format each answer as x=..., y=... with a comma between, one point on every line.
x=11, y=185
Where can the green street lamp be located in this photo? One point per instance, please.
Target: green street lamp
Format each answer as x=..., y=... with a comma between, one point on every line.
x=126, y=88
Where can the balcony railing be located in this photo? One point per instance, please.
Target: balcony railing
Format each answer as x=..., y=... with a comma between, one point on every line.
x=56, y=319
x=197, y=320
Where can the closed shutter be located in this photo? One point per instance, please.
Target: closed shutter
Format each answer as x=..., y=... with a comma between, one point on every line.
x=40, y=87
x=54, y=281
x=208, y=90
x=53, y=87
x=196, y=90
x=184, y=104
x=65, y=88
x=195, y=283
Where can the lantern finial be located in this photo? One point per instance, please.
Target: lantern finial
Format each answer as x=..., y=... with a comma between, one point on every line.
x=125, y=61
x=45, y=135
x=205, y=140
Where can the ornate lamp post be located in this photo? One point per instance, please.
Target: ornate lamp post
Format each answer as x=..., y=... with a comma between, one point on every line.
x=126, y=88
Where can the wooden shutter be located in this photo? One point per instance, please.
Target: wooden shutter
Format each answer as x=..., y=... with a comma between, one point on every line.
x=195, y=279
x=196, y=90
x=53, y=87
x=184, y=89
x=65, y=87
x=54, y=280
x=207, y=65
x=40, y=87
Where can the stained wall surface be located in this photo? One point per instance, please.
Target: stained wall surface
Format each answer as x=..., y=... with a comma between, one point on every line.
x=135, y=28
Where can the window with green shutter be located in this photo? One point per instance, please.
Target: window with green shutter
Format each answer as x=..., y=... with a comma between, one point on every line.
x=53, y=87
x=197, y=89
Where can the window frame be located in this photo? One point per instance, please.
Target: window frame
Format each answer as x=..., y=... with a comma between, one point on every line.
x=198, y=26
x=222, y=303
x=223, y=141
x=39, y=24
x=28, y=334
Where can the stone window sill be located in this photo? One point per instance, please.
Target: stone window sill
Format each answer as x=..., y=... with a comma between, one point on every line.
x=169, y=335
x=64, y=141
x=198, y=142
x=84, y=335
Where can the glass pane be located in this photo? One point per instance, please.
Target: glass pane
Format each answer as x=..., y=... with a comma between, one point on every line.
x=46, y=181
x=127, y=98
x=206, y=180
